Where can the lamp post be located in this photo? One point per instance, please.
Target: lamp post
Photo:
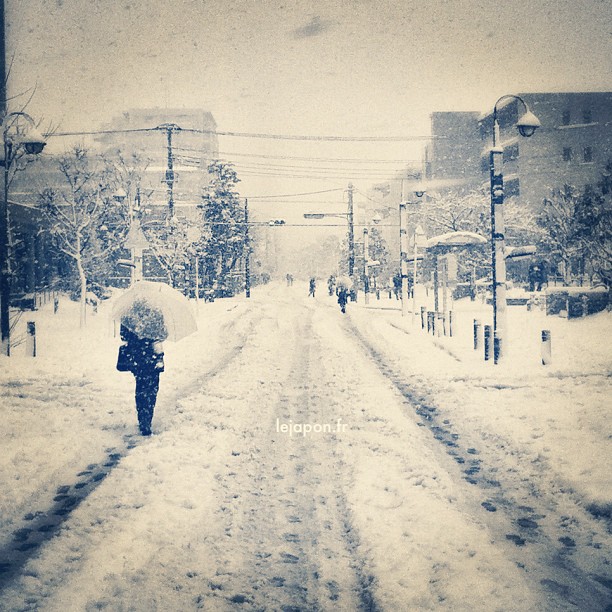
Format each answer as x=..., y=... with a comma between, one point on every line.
x=351, y=232
x=418, y=192
x=25, y=141
x=419, y=236
x=247, y=261
x=526, y=126
x=366, y=265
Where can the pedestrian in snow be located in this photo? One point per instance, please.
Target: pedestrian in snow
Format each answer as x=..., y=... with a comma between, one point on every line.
x=397, y=285
x=342, y=298
x=331, y=284
x=312, y=287
x=144, y=357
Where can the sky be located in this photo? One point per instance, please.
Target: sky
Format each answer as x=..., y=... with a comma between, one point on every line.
x=301, y=67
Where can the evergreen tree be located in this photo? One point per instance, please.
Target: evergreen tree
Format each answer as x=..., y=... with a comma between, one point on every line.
x=224, y=231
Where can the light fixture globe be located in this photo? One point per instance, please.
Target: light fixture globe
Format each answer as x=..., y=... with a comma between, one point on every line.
x=32, y=141
x=528, y=124
x=420, y=190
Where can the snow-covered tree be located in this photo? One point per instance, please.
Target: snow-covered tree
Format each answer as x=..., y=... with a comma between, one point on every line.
x=594, y=228
x=171, y=242
x=557, y=223
x=455, y=212
x=224, y=232
x=86, y=223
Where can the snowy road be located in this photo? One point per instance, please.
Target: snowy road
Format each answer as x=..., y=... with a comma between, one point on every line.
x=296, y=467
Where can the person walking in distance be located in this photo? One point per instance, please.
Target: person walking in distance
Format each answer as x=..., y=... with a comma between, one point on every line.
x=342, y=298
x=144, y=357
x=331, y=284
x=312, y=287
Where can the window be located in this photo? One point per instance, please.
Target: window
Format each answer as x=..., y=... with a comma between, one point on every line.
x=567, y=154
x=588, y=155
x=566, y=117
x=587, y=115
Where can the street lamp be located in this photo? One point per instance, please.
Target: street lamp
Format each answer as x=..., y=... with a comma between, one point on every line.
x=526, y=126
x=418, y=191
x=419, y=241
x=25, y=141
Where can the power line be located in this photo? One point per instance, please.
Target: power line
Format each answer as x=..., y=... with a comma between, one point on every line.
x=291, y=195
x=313, y=138
x=248, y=135
x=257, y=165
x=310, y=159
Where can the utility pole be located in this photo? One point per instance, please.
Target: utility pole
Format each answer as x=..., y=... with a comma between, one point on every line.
x=5, y=289
x=247, y=260
x=366, y=265
x=2, y=62
x=351, y=232
x=403, y=256
x=170, y=175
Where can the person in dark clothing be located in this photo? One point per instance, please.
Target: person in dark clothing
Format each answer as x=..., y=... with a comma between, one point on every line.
x=537, y=276
x=143, y=357
x=312, y=287
x=397, y=285
x=342, y=298
x=331, y=284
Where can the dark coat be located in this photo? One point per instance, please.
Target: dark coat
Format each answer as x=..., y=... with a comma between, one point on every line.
x=141, y=356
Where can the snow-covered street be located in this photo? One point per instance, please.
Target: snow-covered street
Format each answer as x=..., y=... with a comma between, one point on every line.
x=307, y=460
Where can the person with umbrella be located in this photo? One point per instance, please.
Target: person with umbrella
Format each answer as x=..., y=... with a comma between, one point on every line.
x=142, y=354
x=149, y=313
x=342, y=291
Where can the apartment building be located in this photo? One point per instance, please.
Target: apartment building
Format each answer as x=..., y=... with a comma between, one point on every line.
x=189, y=146
x=572, y=146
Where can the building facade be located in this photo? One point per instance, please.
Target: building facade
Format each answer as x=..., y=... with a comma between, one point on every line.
x=572, y=146
x=184, y=140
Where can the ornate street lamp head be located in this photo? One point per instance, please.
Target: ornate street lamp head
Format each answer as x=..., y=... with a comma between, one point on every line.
x=32, y=141
x=528, y=124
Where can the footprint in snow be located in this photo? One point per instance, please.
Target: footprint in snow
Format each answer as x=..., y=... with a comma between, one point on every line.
x=289, y=558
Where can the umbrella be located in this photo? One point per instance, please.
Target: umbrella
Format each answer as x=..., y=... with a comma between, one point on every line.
x=456, y=239
x=344, y=281
x=155, y=310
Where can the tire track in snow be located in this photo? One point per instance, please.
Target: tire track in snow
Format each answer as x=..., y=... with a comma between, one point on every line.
x=537, y=525
x=40, y=526
x=286, y=517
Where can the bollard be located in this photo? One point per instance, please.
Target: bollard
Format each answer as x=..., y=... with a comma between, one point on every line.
x=497, y=344
x=423, y=311
x=31, y=339
x=546, y=347
x=55, y=305
x=450, y=323
x=585, y=305
x=487, y=342
x=476, y=334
